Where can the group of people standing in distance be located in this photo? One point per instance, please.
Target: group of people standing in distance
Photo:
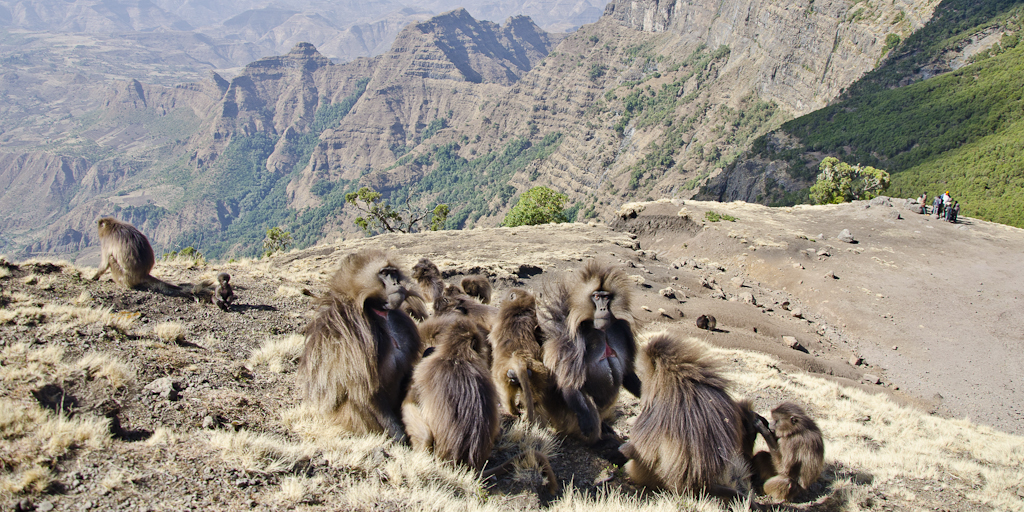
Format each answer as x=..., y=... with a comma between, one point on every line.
x=944, y=207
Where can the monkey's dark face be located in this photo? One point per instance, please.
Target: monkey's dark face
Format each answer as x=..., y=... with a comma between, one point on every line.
x=392, y=281
x=603, y=316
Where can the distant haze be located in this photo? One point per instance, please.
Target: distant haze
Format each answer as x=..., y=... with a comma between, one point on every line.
x=243, y=30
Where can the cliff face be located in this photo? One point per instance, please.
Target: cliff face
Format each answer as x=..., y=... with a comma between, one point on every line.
x=798, y=53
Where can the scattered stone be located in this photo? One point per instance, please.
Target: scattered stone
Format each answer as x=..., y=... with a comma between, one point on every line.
x=798, y=266
x=830, y=275
x=845, y=236
x=785, y=305
x=737, y=282
x=668, y=293
x=165, y=387
x=30, y=280
x=24, y=505
x=717, y=294
x=855, y=360
x=895, y=347
x=604, y=477
x=871, y=379
x=748, y=298
x=824, y=253
x=639, y=280
x=45, y=506
x=792, y=343
x=664, y=313
x=881, y=201
x=893, y=214
x=708, y=282
x=209, y=422
x=645, y=308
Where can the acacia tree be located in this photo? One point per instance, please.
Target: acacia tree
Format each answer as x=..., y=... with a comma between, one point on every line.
x=539, y=205
x=840, y=182
x=381, y=216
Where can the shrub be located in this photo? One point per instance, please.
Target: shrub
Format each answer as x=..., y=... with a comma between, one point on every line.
x=840, y=182
x=539, y=205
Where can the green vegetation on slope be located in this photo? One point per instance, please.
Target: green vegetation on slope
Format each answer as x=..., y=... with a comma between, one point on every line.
x=957, y=131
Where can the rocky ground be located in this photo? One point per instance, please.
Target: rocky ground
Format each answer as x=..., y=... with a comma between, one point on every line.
x=166, y=404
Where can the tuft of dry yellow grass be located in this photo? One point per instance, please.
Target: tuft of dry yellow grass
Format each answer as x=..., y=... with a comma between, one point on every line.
x=169, y=332
x=275, y=351
x=98, y=365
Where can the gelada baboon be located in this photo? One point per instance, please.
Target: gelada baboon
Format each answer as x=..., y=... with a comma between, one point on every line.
x=515, y=342
x=589, y=348
x=477, y=286
x=689, y=433
x=223, y=295
x=707, y=322
x=453, y=301
x=452, y=406
x=799, y=457
x=126, y=253
x=428, y=278
x=361, y=347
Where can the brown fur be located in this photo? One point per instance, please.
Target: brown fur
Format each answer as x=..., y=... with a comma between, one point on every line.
x=797, y=462
x=688, y=434
x=477, y=286
x=223, y=295
x=453, y=301
x=576, y=403
x=452, y=406
x=360, y=347
x=515, y=343
x=126, y=253
x=428, y=278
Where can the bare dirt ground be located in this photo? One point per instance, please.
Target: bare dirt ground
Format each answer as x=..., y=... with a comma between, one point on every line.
x=166, y=404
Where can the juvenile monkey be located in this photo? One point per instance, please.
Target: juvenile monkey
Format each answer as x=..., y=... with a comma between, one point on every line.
x=452, y=406
x=126, y=253
x=799, y=457
x=477, y=286
x=589, y=348
x=689, y=434
x=361, y=347
x=223, y=295
x=515, y=343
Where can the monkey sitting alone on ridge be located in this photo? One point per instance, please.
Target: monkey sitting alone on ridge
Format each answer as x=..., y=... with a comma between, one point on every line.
x=799, y=457
x=452, y=406
x=589, y=347
x=689, y=434
x=515, y=342
x=361, y=347
x=223, y=295
x=126, y=253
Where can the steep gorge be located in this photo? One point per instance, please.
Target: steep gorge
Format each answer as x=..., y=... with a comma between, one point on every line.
x=649, y=101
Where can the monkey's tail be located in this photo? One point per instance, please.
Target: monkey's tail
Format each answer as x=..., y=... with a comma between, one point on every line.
x=153, y=284
x=542, y=461
x=523, y=374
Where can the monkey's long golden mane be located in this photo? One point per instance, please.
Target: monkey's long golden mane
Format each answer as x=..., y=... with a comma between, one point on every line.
x=338, y=365
x=688, y=428
x=569, y=305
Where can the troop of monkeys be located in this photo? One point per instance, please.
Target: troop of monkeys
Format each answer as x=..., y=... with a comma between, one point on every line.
x=439, y=381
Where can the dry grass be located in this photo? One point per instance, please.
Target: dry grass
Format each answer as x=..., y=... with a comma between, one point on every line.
x=60, y=318
x=275, y=351
x=169, y=332
x=34, y=439
x=98, y=365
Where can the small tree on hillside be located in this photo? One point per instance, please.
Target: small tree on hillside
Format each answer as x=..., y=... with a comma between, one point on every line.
x=539, y=205
x=381, y=216
x=840, y=182
x=277, y=240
